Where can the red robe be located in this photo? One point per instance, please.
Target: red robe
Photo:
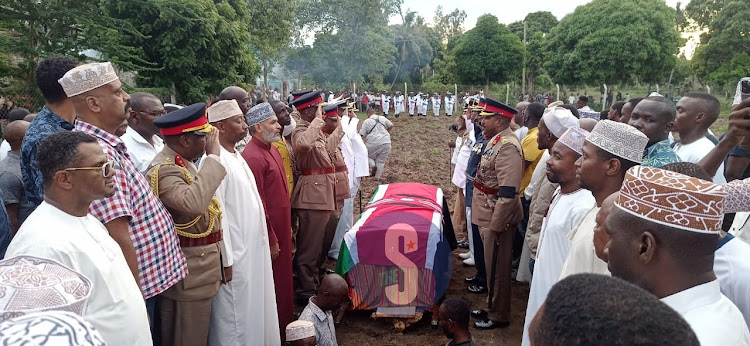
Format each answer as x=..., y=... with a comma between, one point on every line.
x=268, y=168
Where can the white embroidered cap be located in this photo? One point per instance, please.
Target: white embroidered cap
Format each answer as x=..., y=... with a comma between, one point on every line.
x=49, y=328
x=87, y=77
x=558, y=120
x=222, y=110
x=299, y=329
x=619, y=139
x=573, y=138
x=29, y=284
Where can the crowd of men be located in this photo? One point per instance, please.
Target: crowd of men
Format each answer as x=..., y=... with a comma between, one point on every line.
x=194, y=225
x=622, y=196
x=396, y=104
x=206, y=224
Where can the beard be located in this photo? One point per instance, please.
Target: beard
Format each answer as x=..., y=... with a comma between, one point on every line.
x=270, y=137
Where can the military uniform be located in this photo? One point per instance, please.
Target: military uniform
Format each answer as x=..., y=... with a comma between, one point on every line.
x=496, y=209
x=188, y=195
x=318, y=198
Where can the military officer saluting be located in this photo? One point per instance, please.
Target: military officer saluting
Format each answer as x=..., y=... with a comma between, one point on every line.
x=188, y=195
x=315, y=194
x=496, y=208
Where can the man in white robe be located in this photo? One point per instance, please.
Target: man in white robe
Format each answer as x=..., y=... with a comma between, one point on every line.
x=663, y=232
x=609, y=151
x=436, y=105
x=385, y=103
x=243, y=312
x=76, y=172
x=357, y=164
x=568, y=206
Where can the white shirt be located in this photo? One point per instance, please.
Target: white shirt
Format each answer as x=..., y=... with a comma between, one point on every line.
x=521, y=132
x=378, y=133
x=245, y=308
x=585, y=109
x=732, y=268
x=4, y=149
x=714, y=319
x=565, y=211
x=536, y=176
x=695, y=151
x=116, y=307
x=140, y=150
x=582, y=256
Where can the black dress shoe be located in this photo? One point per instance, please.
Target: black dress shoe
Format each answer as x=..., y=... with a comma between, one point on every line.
x=329, y=271
x=463, y=244
x=471, y=280
x=477, y=289
x=490, y=324
x=479, y=314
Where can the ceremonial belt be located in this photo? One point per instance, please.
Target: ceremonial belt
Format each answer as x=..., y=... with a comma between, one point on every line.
x=207, y=240
x=324, y=170
x=485, y=189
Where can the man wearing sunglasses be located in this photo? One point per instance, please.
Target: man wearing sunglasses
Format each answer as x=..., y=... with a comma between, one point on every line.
x=76, y=172
x=142, y=137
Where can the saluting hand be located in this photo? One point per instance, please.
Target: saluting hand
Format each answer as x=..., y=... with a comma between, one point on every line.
x=212, y=142
x=319, y=112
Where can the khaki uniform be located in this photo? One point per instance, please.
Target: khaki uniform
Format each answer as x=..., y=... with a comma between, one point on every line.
x=496, y=209
x=318, y=197
x=185, y=308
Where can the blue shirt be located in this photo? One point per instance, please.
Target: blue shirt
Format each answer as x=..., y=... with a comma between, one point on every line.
x=473, y=165
x=659, y=154
x=45, y=124
x=5, y=231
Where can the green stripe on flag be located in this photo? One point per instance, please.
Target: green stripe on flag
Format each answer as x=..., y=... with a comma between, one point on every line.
x=345, y=262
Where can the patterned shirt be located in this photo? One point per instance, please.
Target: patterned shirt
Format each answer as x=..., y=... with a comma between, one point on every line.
x=45, y=124
x=659, y=154
x=323, y=322
x=161, y=262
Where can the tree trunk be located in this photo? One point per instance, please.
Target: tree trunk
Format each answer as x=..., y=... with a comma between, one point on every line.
x=265, y=77
x=487, y=86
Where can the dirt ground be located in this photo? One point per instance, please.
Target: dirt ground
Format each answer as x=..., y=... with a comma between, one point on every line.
x=420, y=154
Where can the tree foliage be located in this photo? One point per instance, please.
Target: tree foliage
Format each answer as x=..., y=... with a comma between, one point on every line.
x=614, y=41
x=723, y=56
x=541, y=21
x=449, y=25
x=488, y=53
x=271, y=24
x=199, y=46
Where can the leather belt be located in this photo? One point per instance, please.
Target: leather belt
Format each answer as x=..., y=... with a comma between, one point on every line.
x=324, y=170
x=207, y=240
x=485, y=189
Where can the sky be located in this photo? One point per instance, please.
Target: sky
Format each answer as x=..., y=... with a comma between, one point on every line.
x=507, y=11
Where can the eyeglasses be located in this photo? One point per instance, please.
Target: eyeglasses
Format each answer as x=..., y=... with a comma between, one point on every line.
x=154, y=114
x=106, y=168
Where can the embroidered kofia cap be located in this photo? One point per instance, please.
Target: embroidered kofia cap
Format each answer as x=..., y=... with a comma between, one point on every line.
x=49, y=328
x=259, y=113
x=223, y=109
x=30, y=284
x=619, y=139
x=299, y=329
x=573, y=138
x=558, y=120
x=87, y=77
x=672, y=199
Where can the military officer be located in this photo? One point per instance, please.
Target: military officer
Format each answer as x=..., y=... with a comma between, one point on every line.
x=316, y=191
x=496, y=208
x=188, y=195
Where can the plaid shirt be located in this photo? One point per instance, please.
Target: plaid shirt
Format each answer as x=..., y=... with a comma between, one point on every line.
x=161, y=262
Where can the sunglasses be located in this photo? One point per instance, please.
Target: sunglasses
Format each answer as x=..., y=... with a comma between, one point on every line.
x=106, y=168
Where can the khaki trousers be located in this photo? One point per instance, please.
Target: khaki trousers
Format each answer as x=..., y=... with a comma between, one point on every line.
x=314, y=237
x=184, y=323
x=459, y=215
x=499, y=303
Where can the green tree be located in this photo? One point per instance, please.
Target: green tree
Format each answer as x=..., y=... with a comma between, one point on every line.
x=488, y=53
x=613, y=41
x=541, y=21
x=271, y=25
x=299, y=60
x=33, y=30
x=723, y=55
x=199, y=46
x=449, y=25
